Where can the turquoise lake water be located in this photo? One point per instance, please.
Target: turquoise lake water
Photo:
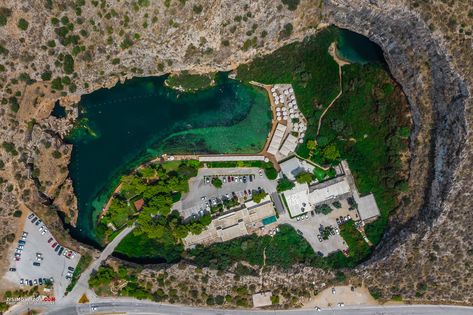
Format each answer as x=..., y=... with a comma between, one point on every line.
x=121, y=127
x=357, y=48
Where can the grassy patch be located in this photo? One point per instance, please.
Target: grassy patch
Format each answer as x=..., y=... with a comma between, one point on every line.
x=187, y=82
x=83, y=263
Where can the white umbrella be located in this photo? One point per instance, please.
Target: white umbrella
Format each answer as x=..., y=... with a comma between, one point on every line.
x=278, y=114
x=291, y=90
x=291, y=111
x=293, y=97
x=284, y=109
x=292, y=116
x=296, y=125
x=279, y=118
x=278, y=109
x=273, y=90
x=276, y=101
x=284, y=117
x=286, y=92
x=302, y=134
x=275, y=94
x=301, y=140
x=281, y=99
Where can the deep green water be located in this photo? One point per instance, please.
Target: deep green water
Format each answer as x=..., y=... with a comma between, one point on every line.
x=357, y=48
x=121, y=127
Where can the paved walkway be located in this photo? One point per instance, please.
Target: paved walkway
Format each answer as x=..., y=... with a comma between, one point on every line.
x=82, y=285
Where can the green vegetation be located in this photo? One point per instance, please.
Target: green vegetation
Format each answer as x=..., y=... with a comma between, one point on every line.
x=291, y=4
x=358, y=248
x=9, y=147
x=258, y=196
x=286, y=31
x=367, y=125
x=187, y=82
x=159, y=231
x=83, y=263
x=217, y=182
x=68, y=64
x=285, y=249
x=23, y=24
x=17, y=213
x=5, y=13
x=284, y=184
x=304, y=177
x=197, y=8
x=323, y=209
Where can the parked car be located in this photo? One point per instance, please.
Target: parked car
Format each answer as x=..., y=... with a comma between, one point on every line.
x=21, y=281
x=40, y=281
x=341, y=304
x=38, y=222
x=60, y=251
x=319, y=238
x=54, y=245
x=37, y=264
x=334, y=291
x=70, y=268
x=22, y=242
x=30, y=216
x=30, y=282
x=25, y=234
x=57, y=248
x=317, y=309
x=12, y=269
x=35, y=281
x=224, y=180
x=34, y=220
x=50, y=240
x=300, y=232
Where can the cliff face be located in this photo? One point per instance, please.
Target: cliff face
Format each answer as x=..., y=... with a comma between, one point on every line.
x=424, y=244
x=113, y=40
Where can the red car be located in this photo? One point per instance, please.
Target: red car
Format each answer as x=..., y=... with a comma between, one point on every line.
x=54, y=245
x=50, y=239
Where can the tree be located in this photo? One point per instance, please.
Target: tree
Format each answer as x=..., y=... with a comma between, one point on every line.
x=68, y=64
x=217, y=182
x=284, y=184
x=304, y=177
x=311, y=144
x=331, y=153
x=323, y=209
x=257, y=197
x=23, y=24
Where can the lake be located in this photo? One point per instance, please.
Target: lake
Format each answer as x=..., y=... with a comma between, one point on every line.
x=122, y=127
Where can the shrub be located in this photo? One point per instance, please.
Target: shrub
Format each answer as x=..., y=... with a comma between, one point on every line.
x=23, y=24
x=68, y=64
x=286, y=31
x=291, y=4
x=304, y=177
x=284, y=184
x=17, y=213
x=56, y=154
x=323, y=209
x=197, y=8
x=217, y=182
x=5, y=13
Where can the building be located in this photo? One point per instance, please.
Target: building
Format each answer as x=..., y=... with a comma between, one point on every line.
x=235, y=224
x=289, y=145
x=277, y=138
x=303, y=198
x=294, y=166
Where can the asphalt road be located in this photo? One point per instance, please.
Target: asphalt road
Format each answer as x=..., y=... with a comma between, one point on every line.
x=141, y=307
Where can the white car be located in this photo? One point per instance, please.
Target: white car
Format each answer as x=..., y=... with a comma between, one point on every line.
x=341, y=304
x=317, y=309
x=44, y=232
x=21, y=281
x=334, y=291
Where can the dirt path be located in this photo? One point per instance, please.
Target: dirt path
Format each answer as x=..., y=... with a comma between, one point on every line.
x=262, y=267
x=333, y=52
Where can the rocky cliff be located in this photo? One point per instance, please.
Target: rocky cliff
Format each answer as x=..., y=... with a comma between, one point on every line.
x=70, y=48
x=424, y=244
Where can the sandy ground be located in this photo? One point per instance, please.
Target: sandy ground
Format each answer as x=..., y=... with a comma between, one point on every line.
x=5, y=262
x=325, y=299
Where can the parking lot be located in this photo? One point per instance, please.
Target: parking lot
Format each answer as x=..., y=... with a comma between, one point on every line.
x=202, y=191
x=310, y=225
x=35, y=262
